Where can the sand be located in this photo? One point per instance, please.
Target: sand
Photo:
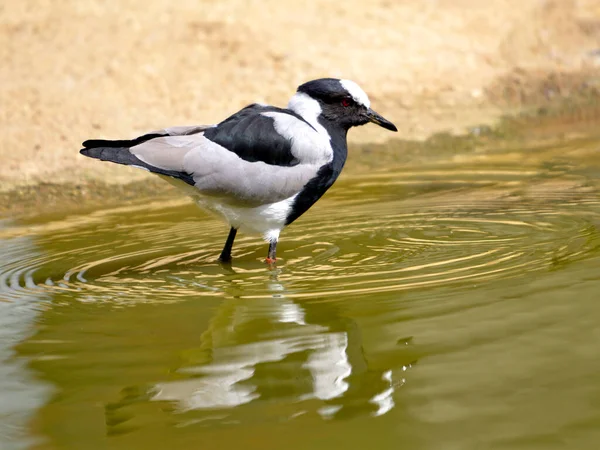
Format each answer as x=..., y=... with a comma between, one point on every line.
x=78, y=69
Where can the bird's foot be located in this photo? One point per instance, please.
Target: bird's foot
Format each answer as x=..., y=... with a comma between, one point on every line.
x=270, y=261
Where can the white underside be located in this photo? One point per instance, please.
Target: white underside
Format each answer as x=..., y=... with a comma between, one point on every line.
x=266, y=220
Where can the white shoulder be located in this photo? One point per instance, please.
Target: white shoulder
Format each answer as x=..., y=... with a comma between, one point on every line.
x=309, y=146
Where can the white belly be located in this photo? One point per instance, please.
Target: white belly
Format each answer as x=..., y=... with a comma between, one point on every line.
x=267, y=220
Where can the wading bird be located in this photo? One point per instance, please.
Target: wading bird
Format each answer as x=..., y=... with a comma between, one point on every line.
x=261, y=168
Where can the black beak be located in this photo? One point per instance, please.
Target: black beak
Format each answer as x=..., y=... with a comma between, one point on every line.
x=379, y=120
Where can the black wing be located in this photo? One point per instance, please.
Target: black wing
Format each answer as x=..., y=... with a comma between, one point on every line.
x=253, y=137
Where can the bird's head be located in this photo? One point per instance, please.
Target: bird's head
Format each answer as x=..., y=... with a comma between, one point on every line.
x=342, y=102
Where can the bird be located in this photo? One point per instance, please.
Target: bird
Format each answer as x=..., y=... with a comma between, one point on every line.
x=262, y=167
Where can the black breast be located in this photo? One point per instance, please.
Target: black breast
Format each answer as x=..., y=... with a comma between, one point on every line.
x=326, y=175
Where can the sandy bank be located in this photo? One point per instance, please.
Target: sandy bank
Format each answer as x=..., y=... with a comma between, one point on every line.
x=76, y=69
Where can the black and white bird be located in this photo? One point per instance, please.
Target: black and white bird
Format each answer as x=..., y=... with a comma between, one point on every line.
x=261, y=168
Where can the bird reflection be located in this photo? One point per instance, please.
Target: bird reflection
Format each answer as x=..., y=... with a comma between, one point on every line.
x=275, y=349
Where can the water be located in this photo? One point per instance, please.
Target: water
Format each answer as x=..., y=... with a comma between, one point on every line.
x=445, y=303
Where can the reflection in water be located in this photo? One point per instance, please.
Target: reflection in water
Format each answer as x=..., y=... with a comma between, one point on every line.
x=487, y=274
x=20, y=394
x=312, y=361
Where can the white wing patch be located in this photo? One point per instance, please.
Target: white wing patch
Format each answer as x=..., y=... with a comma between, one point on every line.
x=307, y=108
x=308, y=146
x=356, y=92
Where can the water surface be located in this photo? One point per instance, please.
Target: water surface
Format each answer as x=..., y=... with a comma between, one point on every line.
x=448, y=303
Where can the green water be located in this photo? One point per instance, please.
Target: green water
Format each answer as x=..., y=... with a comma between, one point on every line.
x=446, y=303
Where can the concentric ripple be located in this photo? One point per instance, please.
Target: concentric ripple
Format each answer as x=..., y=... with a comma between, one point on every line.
x=433, y=247
x=406, y=293
x=390, y=231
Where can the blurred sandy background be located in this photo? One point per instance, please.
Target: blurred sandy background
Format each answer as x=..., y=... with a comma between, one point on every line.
x=77, y=69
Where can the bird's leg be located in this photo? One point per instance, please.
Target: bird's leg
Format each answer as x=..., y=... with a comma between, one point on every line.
x=272, y=250
x=226, y=252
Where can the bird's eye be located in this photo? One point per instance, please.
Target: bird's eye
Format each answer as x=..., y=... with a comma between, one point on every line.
x=346, y=102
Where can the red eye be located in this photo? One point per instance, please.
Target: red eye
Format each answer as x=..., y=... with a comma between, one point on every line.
x=346, y=102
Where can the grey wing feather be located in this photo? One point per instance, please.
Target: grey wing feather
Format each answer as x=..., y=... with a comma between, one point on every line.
x=120, y=151
x=183, y=130
x=184, y=153
x=218, y=172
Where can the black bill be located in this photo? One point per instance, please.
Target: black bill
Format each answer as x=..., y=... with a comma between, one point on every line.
x=380, y=120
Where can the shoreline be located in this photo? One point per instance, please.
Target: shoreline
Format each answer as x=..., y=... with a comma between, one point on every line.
x=565, y=122
x=77, y=70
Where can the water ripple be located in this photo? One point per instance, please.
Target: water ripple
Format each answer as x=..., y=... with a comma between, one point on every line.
x=397, y=244
x=313, y=336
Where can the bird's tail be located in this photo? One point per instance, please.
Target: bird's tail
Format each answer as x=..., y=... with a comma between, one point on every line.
x=118, y=152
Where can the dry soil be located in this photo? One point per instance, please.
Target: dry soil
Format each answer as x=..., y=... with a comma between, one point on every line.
x=77, y=69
